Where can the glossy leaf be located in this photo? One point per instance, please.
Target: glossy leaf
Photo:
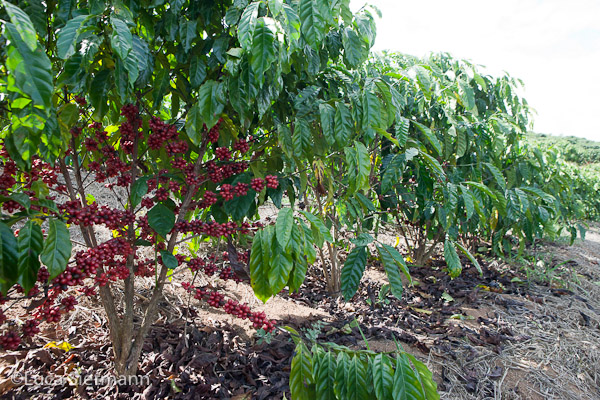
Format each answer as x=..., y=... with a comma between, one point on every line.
x=435, y=166
x=342, y=375
x=22, y=24
x=161, y=83
x=169, y=260
x=67, y=37
x=312, y=23
x=356, y=49
x=57, y=248
x=324, y=367
x=390, y=259
x=30, y=68
x=497, y=175
x=9, y=270
x=342, y=124
x=425, y=377
x=406, y=383
x=430, y=136
x=482, y=188
x=161, y=219
x=362, y=239
x=470, y=256
x=372, y=110
x=29, y=246
x=353, y=270
x=194, y=125
x=211, y=101
x=319, y=226
x=327, y=113
x=121, y=39
x=301, y=378
x=461, y=143
x=284, y=226
x=356, y=383
x=138, y=190
x=263, y=48
x=247, y=24
x=383, y=376
x=197, y=71
x=452, y=259
x=259, y=270
x=279, y=273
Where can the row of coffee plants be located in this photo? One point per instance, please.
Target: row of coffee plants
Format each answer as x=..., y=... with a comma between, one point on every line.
x=177, y=110
x=173, y=107
x=431, y=148
x=193, y=114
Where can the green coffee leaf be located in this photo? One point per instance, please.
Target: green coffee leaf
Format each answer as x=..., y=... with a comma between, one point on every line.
x=161, y=219
x=353, y=270
x=168, y=259
x=470, y=256
x=138, y=190
x=121, y=39
x=23, y=25
x=8, y=258
x=263, y=49
x=29, y=246
x=383, y=376
x=57, y=248
x=389, y=257
x=406, y=383
x=281, y=267
x=67, y=37
x=362, y=239
x=31, y=69
x=301, y=379
x=452, y=259
x=259, y=268
x=284, y=226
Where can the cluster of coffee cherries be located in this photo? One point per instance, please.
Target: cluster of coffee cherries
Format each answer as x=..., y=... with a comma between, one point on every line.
x=112, y=165
x=53, y=307
x=40, y=171
x=215, y=229
x=240, y=310
x=93, y=215
x=209, y=268
x=109, y=257
x=167, y=135
x=9, y=172
x=213, y=133
x=11, y=340
x=218, y=173
x=130, y=128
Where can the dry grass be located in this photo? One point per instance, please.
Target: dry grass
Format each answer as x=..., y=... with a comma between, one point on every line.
x=557, y=351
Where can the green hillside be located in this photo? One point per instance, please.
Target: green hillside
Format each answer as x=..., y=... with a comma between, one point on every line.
x=574, y=149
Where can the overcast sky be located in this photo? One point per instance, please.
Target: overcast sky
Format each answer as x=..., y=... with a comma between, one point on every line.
x=552, y=45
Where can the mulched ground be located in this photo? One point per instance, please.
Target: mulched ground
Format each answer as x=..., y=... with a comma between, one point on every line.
x=218, y=361
x=215, y=364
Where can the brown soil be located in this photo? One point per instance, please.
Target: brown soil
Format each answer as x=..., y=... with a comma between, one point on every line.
x=490, y=337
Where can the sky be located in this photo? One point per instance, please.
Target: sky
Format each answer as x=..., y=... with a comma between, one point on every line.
x=552, y=45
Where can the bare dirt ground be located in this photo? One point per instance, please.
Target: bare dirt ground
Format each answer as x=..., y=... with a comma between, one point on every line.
x=559, y=354
x=505, y=335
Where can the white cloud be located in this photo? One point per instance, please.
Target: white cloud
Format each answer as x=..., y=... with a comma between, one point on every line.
x=552, y=45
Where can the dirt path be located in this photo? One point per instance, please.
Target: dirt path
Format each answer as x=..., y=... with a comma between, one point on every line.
x=555, y=353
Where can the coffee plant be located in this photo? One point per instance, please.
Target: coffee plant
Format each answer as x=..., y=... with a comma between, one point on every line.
x=331, y=371
x=175, y=109
x=193, y=114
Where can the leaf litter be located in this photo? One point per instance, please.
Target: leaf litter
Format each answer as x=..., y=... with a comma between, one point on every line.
x=484, y=337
